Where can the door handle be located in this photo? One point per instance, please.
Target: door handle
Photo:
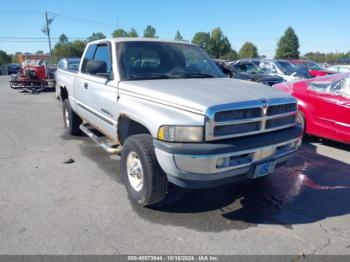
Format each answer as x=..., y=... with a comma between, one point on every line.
x=86, y=86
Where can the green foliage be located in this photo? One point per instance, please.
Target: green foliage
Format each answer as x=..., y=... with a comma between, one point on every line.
x=330, y=58
x=39, y=52
x=216, y=44
x=96, y=36
x=119, y=33
x=219, y=45
x=150, y=32
x=230, y=56
x=288, y=45
x=202, y=39
x=4, y=58
x=178, y=36
x=248, y=50
x=133, y=33
x=63, y=39
x=70, y=49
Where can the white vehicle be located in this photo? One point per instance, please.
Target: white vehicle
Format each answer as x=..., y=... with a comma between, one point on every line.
x=65, y=73
x=339, y=68
x=281, y=68
x=173, y=116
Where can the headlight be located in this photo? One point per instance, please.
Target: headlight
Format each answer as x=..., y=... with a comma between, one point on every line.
x=181, y=133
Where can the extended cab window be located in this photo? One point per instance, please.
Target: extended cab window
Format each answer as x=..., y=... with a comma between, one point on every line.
x=102, y=54
x=142, y=60
x=89, y=55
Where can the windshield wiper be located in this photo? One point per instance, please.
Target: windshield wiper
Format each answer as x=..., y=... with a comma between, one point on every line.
x=149, y=76
x=199, y=75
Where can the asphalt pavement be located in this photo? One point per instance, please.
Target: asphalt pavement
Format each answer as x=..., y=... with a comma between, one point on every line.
x=49, y=206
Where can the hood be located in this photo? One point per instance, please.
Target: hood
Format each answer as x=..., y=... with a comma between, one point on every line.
x=197, y=95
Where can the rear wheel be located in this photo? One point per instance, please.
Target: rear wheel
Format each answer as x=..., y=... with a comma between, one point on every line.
x=145, y=181
x=71, y=120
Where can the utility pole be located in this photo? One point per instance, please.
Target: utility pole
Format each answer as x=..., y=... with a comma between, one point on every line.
x=48, y=31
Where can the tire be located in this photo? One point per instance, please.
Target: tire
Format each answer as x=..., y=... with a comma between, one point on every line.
x=154, y=181
x=71, y=120
x=301, y=121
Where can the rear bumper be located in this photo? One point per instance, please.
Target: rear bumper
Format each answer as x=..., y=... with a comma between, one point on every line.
x=210, y=164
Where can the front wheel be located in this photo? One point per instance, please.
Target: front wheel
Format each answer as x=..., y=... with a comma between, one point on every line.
x=145, y=181
x=71, y=120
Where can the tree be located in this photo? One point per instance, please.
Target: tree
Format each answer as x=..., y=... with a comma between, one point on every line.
x=39, y=52
x=288, y=45
x=4, y=58
x=150, y=32
x=178, y=36
x=230, y=56
x=71, y=49
x=119, y=33
x=248, y=50
x=96, y=36
x=63, y=39
x=133, y=33
x=202, y=39
x=219, y=45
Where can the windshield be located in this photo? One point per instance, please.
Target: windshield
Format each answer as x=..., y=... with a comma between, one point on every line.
x=247, y=67
x=286, y=67
x=313, y=66
x=141, y=60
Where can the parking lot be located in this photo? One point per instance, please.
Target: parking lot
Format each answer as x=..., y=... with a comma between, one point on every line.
x=51, y=207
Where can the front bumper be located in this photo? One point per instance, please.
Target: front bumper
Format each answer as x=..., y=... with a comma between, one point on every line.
x=220, y=162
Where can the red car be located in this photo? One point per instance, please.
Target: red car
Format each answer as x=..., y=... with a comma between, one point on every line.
x=313, y=68
x=324, y=105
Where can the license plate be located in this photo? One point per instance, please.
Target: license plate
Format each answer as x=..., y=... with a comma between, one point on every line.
x=264, y=169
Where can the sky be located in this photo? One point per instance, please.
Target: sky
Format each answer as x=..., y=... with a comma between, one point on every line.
x=321, y=25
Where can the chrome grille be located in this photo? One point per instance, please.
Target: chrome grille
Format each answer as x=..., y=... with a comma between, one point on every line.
x=248, y=118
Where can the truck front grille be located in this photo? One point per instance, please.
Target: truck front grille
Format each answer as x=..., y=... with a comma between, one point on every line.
x=236, y=129
x=248, y=118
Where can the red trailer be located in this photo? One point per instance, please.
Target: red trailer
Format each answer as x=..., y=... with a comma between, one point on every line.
x=32, y=77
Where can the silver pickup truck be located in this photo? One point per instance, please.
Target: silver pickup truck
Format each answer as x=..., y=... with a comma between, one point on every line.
x=172, y=116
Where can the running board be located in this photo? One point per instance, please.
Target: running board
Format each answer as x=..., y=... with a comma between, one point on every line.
x=102, y=141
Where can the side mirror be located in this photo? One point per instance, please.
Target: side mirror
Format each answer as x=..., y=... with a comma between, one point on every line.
x=95, y=67
x=99, y=68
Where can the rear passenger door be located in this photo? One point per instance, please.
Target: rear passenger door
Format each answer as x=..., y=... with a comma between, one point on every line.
x=97, y=95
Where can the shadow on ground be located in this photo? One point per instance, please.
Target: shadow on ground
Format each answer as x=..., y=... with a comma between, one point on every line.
x=308, y=189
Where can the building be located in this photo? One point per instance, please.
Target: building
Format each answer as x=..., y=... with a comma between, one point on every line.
x=28, y=56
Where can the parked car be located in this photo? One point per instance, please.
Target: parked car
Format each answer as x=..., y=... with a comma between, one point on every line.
x=13, y=69
x=283, y=69
x=50, y=71
x=339, y=68
x=314, y=69
x=70, y=66
x=247, y=70
x=173, y=116
x=324, y=105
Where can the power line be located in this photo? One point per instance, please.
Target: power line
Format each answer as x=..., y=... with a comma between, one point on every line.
x=80, y=20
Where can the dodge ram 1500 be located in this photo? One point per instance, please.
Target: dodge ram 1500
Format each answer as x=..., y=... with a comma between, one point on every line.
x=172, y=116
